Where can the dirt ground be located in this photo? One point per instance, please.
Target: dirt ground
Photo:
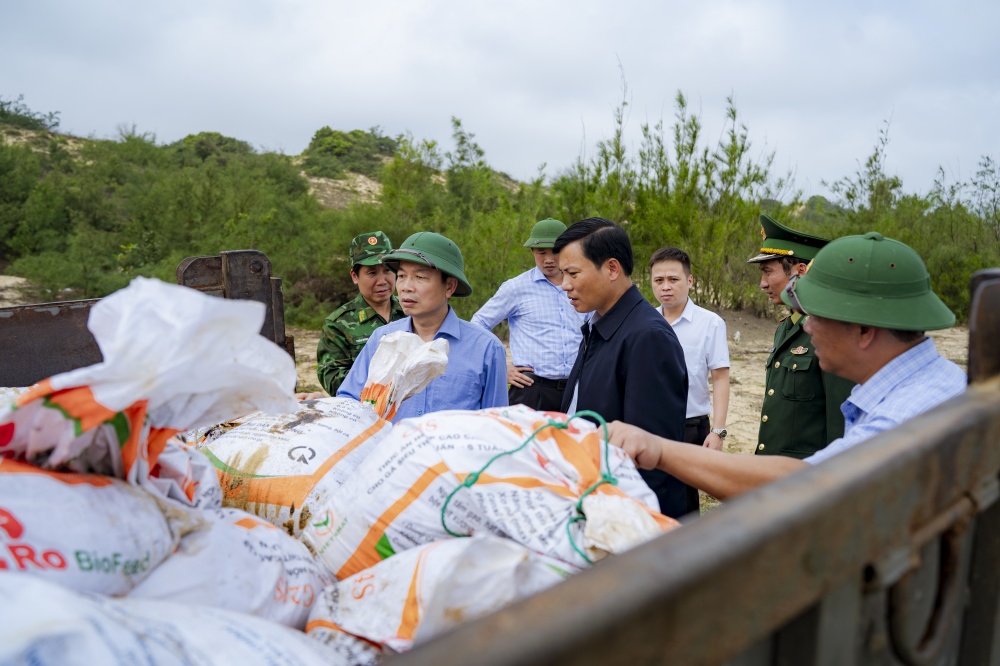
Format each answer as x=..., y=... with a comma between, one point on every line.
x=747, y=356
x=10, y=291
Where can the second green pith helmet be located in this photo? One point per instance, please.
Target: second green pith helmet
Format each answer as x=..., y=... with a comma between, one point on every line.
x=779, y=241
x=545, y=233
x=434, y=250
x=368, y=249
x=873, y=281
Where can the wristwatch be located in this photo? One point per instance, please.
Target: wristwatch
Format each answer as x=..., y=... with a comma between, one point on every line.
x=721, y=432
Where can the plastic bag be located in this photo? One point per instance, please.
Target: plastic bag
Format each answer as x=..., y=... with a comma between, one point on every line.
x=174, y=359
x=403, y=365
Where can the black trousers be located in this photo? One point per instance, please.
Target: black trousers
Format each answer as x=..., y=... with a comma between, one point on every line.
x=544, y=395
x=678, y=499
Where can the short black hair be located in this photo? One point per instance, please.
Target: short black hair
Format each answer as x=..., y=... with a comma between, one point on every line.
x=601, y=239
x=671, y=254
x=907, y=337
x=788, y=263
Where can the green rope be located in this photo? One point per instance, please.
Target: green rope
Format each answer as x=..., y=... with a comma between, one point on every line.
x=606, y=477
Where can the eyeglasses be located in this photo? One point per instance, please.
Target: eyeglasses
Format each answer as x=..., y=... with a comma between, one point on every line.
x=416, y=254
x=790, y=290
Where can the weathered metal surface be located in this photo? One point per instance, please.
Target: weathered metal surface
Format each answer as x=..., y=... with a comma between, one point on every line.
x=246, y=274
x=984, y=325
x=815, y=568
x=202, y=273
x=41, y=340
x=278, y=315
x=45, y=339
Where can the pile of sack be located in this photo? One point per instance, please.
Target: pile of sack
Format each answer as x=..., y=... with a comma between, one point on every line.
x=133, y=522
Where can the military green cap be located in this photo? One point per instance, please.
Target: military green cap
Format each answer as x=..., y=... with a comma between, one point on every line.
x=545, y=233
x=368, y=249
x=873, y=281
x=434, y=250
x=779, y=241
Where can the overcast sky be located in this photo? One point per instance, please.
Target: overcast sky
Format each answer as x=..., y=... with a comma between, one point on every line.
x=537, y=82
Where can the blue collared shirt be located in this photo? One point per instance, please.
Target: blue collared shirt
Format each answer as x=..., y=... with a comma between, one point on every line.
x=908, y=385
x=544, y=327
x=476, y=377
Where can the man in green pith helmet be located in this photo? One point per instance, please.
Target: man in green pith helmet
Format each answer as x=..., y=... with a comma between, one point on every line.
x=348, y=328
x=430, y=270
x=801, y=410
x=868, y=302
x=544, y=327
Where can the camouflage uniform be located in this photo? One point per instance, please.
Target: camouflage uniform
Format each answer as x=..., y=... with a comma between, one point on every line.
x=346, y=331
x=344, y=334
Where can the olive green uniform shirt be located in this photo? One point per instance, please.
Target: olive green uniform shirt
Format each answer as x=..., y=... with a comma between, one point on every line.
x=801, y=411
x=344, y=334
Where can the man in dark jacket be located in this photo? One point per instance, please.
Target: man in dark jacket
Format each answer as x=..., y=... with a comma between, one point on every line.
x=630, y=366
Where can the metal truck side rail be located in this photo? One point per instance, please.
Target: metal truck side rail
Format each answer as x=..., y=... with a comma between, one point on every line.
x=45, y=339
x=886, y=554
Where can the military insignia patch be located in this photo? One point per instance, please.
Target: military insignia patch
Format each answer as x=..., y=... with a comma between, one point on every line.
x=362, y=316
x=799, y=350
x=372, y=240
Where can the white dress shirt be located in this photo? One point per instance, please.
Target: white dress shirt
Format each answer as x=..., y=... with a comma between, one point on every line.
x=703, y=335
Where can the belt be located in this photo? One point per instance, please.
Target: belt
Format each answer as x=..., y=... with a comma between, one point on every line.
x=695, y=420
x=558, y=384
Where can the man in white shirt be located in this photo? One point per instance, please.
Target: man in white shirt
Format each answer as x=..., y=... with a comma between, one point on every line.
x=544, y=327
x=703, y=335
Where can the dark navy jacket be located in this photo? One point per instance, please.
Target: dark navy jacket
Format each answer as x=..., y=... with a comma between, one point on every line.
x=631, y=368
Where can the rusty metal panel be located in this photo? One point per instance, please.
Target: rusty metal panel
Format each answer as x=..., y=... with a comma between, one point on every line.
x=246, y=274
x=981, y=635
x=202, y=273
x=984, y=325
x=278, y=310
x=820, y=567
x=44, y=339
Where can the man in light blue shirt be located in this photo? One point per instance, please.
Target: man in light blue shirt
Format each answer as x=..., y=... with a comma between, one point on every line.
x=544, y=327
x=869, y=301
x=429, y=270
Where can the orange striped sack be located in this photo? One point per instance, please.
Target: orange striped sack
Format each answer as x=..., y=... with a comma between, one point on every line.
x=427, y=590
x=456, y=473
x=282, y=468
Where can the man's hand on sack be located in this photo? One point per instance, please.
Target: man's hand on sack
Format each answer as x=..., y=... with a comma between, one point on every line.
x=310, y=396
x=641, y=446
x=516, y=376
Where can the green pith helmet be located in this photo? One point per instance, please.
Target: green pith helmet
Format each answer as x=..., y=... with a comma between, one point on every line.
x=434, y=250
x=873, y=281
x=545, y=233
x=368, y=249
x=779, y=241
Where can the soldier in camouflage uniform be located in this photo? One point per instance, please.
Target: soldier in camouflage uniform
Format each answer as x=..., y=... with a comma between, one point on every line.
x=346, y=331
x=801, y=411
